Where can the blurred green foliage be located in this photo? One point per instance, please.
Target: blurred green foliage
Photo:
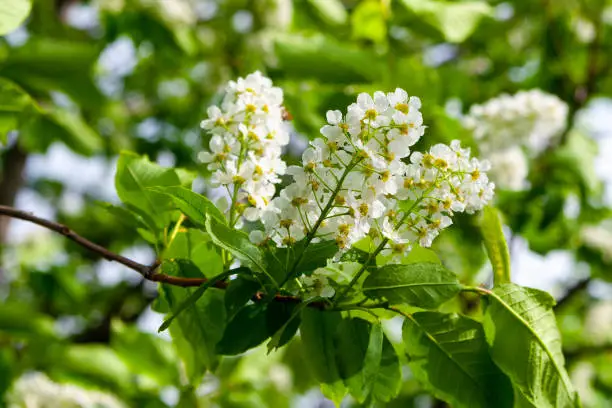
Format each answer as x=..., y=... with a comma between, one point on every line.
x=139, y=74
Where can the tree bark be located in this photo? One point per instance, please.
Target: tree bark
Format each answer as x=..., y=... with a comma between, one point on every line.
x=13, y=167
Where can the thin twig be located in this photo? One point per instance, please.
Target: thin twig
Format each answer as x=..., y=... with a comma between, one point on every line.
x=73, y=236
x=147, y=271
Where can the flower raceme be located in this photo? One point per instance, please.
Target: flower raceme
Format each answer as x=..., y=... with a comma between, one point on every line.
x=509, y=126
x=528, y=118
x=362, y=179
x=247, y=136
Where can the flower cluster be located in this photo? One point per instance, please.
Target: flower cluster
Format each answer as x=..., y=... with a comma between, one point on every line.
x=362, y=179
x=37, y=390
x=528, y=118
x=508, y=125
x=509, y=168
x=248, y=134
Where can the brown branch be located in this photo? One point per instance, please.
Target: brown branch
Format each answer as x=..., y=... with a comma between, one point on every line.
x=147, y=271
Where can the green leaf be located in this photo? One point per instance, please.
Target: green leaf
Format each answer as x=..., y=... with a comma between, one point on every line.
x=525, y=344
x=360, y=384
x=288, y=330
x=192, y=299
x=252, y=325
x=193, y=205
x=496, y=246
x=318, y=331
x=198, y=329
x=246, y=330
x=12, y=97
x=8, y=369
x=318, y=336
x=337, y=63
x=352, y=352
x=198, y=248
x=416, y=255
x=574, y=163
x=425, y=285
x=279, y=261
x=20, y=321
x=238, y=293
x=186, y=177
x=123, y=214
x=12, y=14
x=367, y=361
x=448, y=354
x=332, y=12
x=284, y=334
x=135, y=175
x=62, y=125
x=335, y=392
x=368, y=21
x=145, y=354
x=95, y=363
x=315, y=255
x=351, y=343
x=456, y=21
x=77, y=134
x=15, y=107
x=386, y=378
x=46, y=64
x=238, y=244
x=419, y=254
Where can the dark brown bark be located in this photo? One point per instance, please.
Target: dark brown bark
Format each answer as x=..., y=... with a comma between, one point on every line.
x=13, y=167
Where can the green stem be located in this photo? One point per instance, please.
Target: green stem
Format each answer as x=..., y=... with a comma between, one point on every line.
x=311, y=234
x=233, y=218
x=174, y=232
x=176, y=228
x=363, y=268
x=373, y=255
x=476, y=289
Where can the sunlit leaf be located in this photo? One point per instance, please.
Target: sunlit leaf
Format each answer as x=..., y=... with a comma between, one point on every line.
x=12, y=14
x=16, y=106
x=135, y=175
x=331, y=12
x=525, y=343
x=193, y=205
x=425, y=285
x=145, y=353
x=45, y=64
x=455, y=20
x=496, y=246
x=238, y=244
x=197, y=330
x=336, y=62
x=368, y=21
x=448, y=353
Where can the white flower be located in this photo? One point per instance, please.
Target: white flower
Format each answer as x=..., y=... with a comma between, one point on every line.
x=353, y=182
x=36, y=390
x=529, y=118
x=247, y=139
x=509, y=169
x=316, y=285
